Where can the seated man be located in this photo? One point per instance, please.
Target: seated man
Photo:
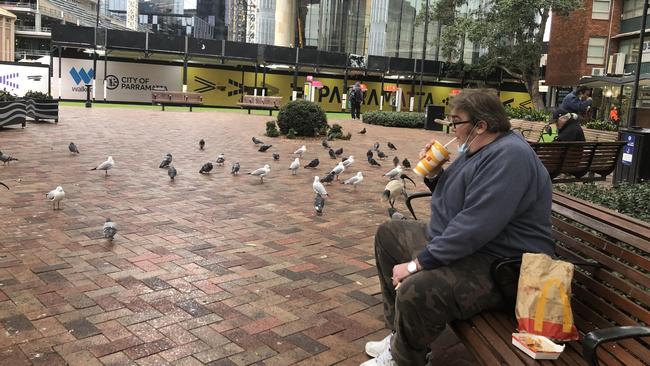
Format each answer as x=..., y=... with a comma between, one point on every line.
x=569, y=129
x=493, y=201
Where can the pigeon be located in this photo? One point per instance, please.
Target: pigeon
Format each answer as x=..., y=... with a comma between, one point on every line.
x=332, y=154
x=172, y=172
x=319, y=204
x=6, y=186
x=338, y=169
x=362, y=132
x=220, y=159
x=294, y=166
x=326, y=144
x=257, y=141
x=369, y=155
x=338, y=151
x=319, y=188
x=206, y=168
x=110, y=229
x=354, y=180
x=348, y=161
x=261, y=172
x=263, y=148
x=6, y=158
x=55, y=196
x=375, y=147
x=201, y=144
x=300, y=151
x=396, y=161
x=393, y=174
x=73, y=148
x=234, y=169
x=276, y=156
x=328, y=178
x=391, y=146
x=395, y=215
x=381, y=155
x=105, y=166
x=373, y=162
x=312, y=164
x=166, y=161
x=406, y=163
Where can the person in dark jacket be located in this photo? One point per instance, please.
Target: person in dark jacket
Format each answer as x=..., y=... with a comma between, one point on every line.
x=356, y=98
x=577, y=101
x=568, y=128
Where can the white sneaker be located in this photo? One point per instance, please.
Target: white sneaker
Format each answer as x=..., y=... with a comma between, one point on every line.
x=384, y=359
x=374, y=349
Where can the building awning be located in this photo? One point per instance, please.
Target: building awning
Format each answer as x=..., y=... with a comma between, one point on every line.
x=7, y=13
x=595, y=81
x=629, y=34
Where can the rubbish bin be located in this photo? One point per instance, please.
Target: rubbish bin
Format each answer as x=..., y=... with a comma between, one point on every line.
x=634, y=164
x=89, y=88
x=432, y=112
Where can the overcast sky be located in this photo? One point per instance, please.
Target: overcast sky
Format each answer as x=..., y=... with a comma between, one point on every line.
x=190, y=4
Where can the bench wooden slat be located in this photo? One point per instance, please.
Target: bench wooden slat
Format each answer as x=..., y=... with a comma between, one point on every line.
x=500, y=344
x=504, y=327
x=480, y=350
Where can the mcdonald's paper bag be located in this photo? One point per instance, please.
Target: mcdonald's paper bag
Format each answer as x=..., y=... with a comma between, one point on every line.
x=544, y=298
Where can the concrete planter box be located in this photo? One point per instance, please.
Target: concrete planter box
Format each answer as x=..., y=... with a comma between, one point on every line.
x=42, y=109
x=13, y=113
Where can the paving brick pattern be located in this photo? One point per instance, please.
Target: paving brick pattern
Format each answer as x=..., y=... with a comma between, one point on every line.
x=207, y=269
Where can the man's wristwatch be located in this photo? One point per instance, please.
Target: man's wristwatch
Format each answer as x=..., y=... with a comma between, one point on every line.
x=412, y=267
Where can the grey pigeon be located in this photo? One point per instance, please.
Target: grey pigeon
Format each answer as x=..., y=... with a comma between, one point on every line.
x=391, y=146
x=373, y=162
x=312, y=164
x=332, y=154
x=319, y=204
x=73, y=148
x=338, y=151
x=206, y=168
x=328, y=178
x=109, y=229
x=263, y=148
x=6, y=158
x=395, y=215
x=257, y=141
x=167, y=160
x=325, y=144
x=276, y=156
x=369, y=154
x=396, y=161
x=381, y=155
x=234, y=170
x=406, y=163
x=221, y=159
x=363, y=131
x=172, y=172
x=375, y=147
x=201, y=144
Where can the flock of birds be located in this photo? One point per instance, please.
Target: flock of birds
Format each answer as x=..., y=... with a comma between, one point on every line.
x=395, y=188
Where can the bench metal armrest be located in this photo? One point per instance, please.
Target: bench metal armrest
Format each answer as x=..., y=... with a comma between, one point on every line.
x=595, y=338
x=412, y=197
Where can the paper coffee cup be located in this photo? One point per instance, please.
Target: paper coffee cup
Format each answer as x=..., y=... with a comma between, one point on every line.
x=433, y=160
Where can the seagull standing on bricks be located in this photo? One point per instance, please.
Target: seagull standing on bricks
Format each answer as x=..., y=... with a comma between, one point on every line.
x=105, y=166
x=261, y=172
x=347, y=162
x=56, y=196
x=300, y=151
x=338, y=169
x=394, y=173
x=319, y=188
x=354, y=180
x=295, y=165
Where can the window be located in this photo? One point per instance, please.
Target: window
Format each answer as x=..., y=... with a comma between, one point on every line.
x=600, y=9
x=630, y=47
x=596, y=51
x=632, y=9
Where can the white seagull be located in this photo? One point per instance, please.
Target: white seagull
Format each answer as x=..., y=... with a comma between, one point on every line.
x=300, y=151
x=261, y=172
x=338, y=169
x=354, y=180
x=55, y=196
x=295, y=165
x=394, y=173
x=319, y=188
x=348, y=161
x=105, y=166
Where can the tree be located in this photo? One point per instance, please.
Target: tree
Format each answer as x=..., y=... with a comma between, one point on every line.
x=510, y=33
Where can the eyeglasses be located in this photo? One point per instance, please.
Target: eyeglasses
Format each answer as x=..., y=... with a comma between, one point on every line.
x=454, y=124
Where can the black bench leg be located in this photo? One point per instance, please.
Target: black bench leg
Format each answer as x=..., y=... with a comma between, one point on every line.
x=270, y=112
x=249, y=111
x=190, y=108
x=163, y=107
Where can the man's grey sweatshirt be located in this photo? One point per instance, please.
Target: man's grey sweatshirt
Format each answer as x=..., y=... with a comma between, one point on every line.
x=495, y=201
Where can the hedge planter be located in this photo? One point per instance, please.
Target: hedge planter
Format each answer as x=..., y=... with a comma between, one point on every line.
x=12, y=113
x=39, y=109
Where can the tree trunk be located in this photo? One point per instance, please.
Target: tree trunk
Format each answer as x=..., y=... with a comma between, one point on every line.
x=531, y=80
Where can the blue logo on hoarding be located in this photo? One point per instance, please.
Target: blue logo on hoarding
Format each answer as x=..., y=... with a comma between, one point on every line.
x=6, y=80
x=82, y=75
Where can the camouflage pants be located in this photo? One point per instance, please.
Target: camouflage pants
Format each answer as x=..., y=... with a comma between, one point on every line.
x=427, y=300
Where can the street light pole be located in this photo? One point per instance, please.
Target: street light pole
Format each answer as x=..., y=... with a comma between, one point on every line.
x=631, y=120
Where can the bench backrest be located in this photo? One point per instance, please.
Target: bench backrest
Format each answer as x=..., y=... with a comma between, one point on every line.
x=615, y=293
x=262, y=100
x=176, y=97
x=578, y=159
x=533, y=129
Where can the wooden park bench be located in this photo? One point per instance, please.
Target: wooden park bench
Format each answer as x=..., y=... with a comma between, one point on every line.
x=610, y=298
x=578, y=161
x=259, y=102
x=176, y=98
x=532, y=131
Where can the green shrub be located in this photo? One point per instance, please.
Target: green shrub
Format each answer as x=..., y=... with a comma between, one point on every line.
x=630, y=199
x=322, y=131
x=37, y=95
x=6, y=96
x=272, y=129
x=527, y=114
x=291, y=134
x=602, y=125
x=304, y=117
x=394, y=119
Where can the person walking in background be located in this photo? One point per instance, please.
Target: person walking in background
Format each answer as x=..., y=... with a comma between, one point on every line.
x=578, y=102
x=613, y=115
x=356, y=98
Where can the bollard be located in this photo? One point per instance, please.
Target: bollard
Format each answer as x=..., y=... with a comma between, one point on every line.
x=88, y=89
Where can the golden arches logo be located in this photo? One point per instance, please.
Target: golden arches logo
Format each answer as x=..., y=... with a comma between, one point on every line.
x=540, y=308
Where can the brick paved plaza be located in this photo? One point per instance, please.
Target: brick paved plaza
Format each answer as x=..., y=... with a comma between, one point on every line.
x=208, y=269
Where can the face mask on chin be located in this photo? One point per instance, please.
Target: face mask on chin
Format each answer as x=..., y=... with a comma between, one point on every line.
x=464, y=147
